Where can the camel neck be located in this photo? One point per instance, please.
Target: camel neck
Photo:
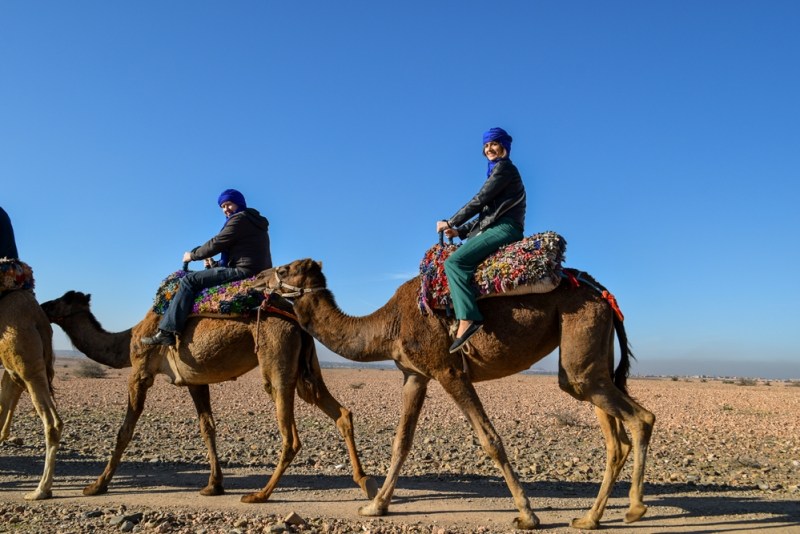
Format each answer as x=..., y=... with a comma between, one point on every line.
x=359, y=339
x=85, y=332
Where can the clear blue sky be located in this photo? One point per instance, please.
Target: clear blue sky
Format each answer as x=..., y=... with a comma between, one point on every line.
x=661, y=139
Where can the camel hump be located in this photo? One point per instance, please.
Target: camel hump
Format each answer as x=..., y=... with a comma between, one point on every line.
x=531, y=265
x=15, y=274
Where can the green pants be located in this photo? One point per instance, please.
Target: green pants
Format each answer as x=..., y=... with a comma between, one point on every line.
x=460, y=265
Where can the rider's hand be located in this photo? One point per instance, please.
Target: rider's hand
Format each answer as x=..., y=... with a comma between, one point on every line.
x=441, y=226
x=187, y=257
x=451, y=233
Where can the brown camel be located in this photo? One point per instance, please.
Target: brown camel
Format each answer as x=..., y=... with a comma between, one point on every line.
x=26, y=352
x=211, y=350
x=518, y=331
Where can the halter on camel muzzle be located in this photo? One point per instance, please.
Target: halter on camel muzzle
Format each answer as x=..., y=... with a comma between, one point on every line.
x=294, y=291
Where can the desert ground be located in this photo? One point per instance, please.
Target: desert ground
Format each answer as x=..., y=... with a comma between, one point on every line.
x=725, y=457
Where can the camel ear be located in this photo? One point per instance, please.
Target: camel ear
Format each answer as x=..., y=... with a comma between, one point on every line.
x=320, y=265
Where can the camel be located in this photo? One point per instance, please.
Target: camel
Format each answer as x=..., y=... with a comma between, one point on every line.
x=26, y=352
x=518, y=331
x=211, y=350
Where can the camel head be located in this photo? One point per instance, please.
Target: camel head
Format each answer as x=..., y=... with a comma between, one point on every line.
x=69, y=303
x=297, y=278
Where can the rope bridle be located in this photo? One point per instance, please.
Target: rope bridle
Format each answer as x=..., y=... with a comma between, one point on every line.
x=293, y=291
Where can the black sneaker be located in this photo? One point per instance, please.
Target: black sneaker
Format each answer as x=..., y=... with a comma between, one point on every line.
x=468, y=333
x=162, y=337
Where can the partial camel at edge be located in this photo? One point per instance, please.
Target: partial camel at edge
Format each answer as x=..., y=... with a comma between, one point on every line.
x=518, y=331
x=26, y=352
x=211, y=350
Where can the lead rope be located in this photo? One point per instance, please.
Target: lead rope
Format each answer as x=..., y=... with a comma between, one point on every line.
x=258, y=329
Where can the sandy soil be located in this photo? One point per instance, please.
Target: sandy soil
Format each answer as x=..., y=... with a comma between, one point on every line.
x=725, y=457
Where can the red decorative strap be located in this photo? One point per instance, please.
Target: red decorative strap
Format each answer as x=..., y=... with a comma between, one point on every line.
x=572, y=278
x=614, y=306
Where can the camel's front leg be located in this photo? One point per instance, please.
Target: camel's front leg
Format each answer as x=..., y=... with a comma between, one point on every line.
x=42, y=400
x=284, y=407
x=202, y=402
x=138, y=384
x=456, y=383
x=414, y=389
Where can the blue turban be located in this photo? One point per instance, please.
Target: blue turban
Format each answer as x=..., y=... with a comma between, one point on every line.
x=502, y=137
x=232, y=195
x=499, y=135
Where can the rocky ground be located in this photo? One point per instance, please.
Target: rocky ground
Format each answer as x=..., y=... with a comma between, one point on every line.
x=725, y=456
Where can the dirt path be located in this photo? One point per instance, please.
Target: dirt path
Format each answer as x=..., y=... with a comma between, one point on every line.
x=742, y=478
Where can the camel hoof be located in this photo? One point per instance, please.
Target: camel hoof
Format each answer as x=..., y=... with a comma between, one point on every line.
x=212, y=490
x=369, y=487
x=526, y=523
x=372, y=510
x=92, y=489
x=635, y=513
x=38, y=495
x=584, y=523
x=254, y=498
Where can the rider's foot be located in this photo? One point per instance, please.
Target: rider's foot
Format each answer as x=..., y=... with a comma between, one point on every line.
x=162, y=337
x=468, y=333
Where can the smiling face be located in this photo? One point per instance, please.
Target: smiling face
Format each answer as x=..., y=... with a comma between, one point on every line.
x=228, y=208
x=494, y=150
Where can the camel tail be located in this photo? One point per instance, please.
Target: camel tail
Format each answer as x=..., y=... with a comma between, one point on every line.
x=309, y=379
x=625, y=356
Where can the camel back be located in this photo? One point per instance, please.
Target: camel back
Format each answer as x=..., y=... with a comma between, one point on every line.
x=15, y=274
x=532, y=265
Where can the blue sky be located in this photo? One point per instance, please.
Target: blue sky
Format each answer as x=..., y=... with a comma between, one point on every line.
x=661, y=139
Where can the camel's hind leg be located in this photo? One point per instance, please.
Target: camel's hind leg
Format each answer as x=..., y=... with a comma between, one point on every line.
x=617, y=448
x=320, y=397
x=202, y=402
x=138, y=384
x=42, y=399
x=414, y=388
x=615, y=404
x=10, y=393
x=456, y=383
x=284, y=409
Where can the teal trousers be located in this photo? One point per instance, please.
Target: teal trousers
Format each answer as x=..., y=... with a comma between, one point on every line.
x=460, y=266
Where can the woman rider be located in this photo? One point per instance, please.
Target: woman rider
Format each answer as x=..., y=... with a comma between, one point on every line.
x=500, y=210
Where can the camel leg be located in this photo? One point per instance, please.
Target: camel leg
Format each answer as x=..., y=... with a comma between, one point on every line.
x=284, y=408
x=344, y=423
x=138, y=384
x=621, y=407
x=414, y=389
x=456, y=383
x=617, y=448
x=42, y=400
x=10, y=393
x=202, y=402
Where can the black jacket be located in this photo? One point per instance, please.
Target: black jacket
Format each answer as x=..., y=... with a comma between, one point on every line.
x=502, y=195
x=245, y=239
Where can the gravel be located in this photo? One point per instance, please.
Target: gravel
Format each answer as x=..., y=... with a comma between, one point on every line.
x=712, y=438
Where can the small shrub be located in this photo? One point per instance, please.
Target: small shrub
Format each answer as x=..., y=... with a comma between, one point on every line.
x=727, y=408
x=90, y=369
x=746, y=382
x=357, y=385
x=674, y=378
x=566, y=419
x=795, y=383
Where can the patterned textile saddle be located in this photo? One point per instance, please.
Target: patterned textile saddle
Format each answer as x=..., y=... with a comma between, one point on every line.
x=239, y=298
x=15, y=274
x=532, y=265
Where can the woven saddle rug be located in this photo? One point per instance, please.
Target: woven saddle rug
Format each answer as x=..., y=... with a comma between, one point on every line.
x=532, y=265
x=15, y=274
x=239, y=298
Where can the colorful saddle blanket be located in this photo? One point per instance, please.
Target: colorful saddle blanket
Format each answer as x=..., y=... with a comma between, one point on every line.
x=532, y=265
x=234, y=298
x=15, y=274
